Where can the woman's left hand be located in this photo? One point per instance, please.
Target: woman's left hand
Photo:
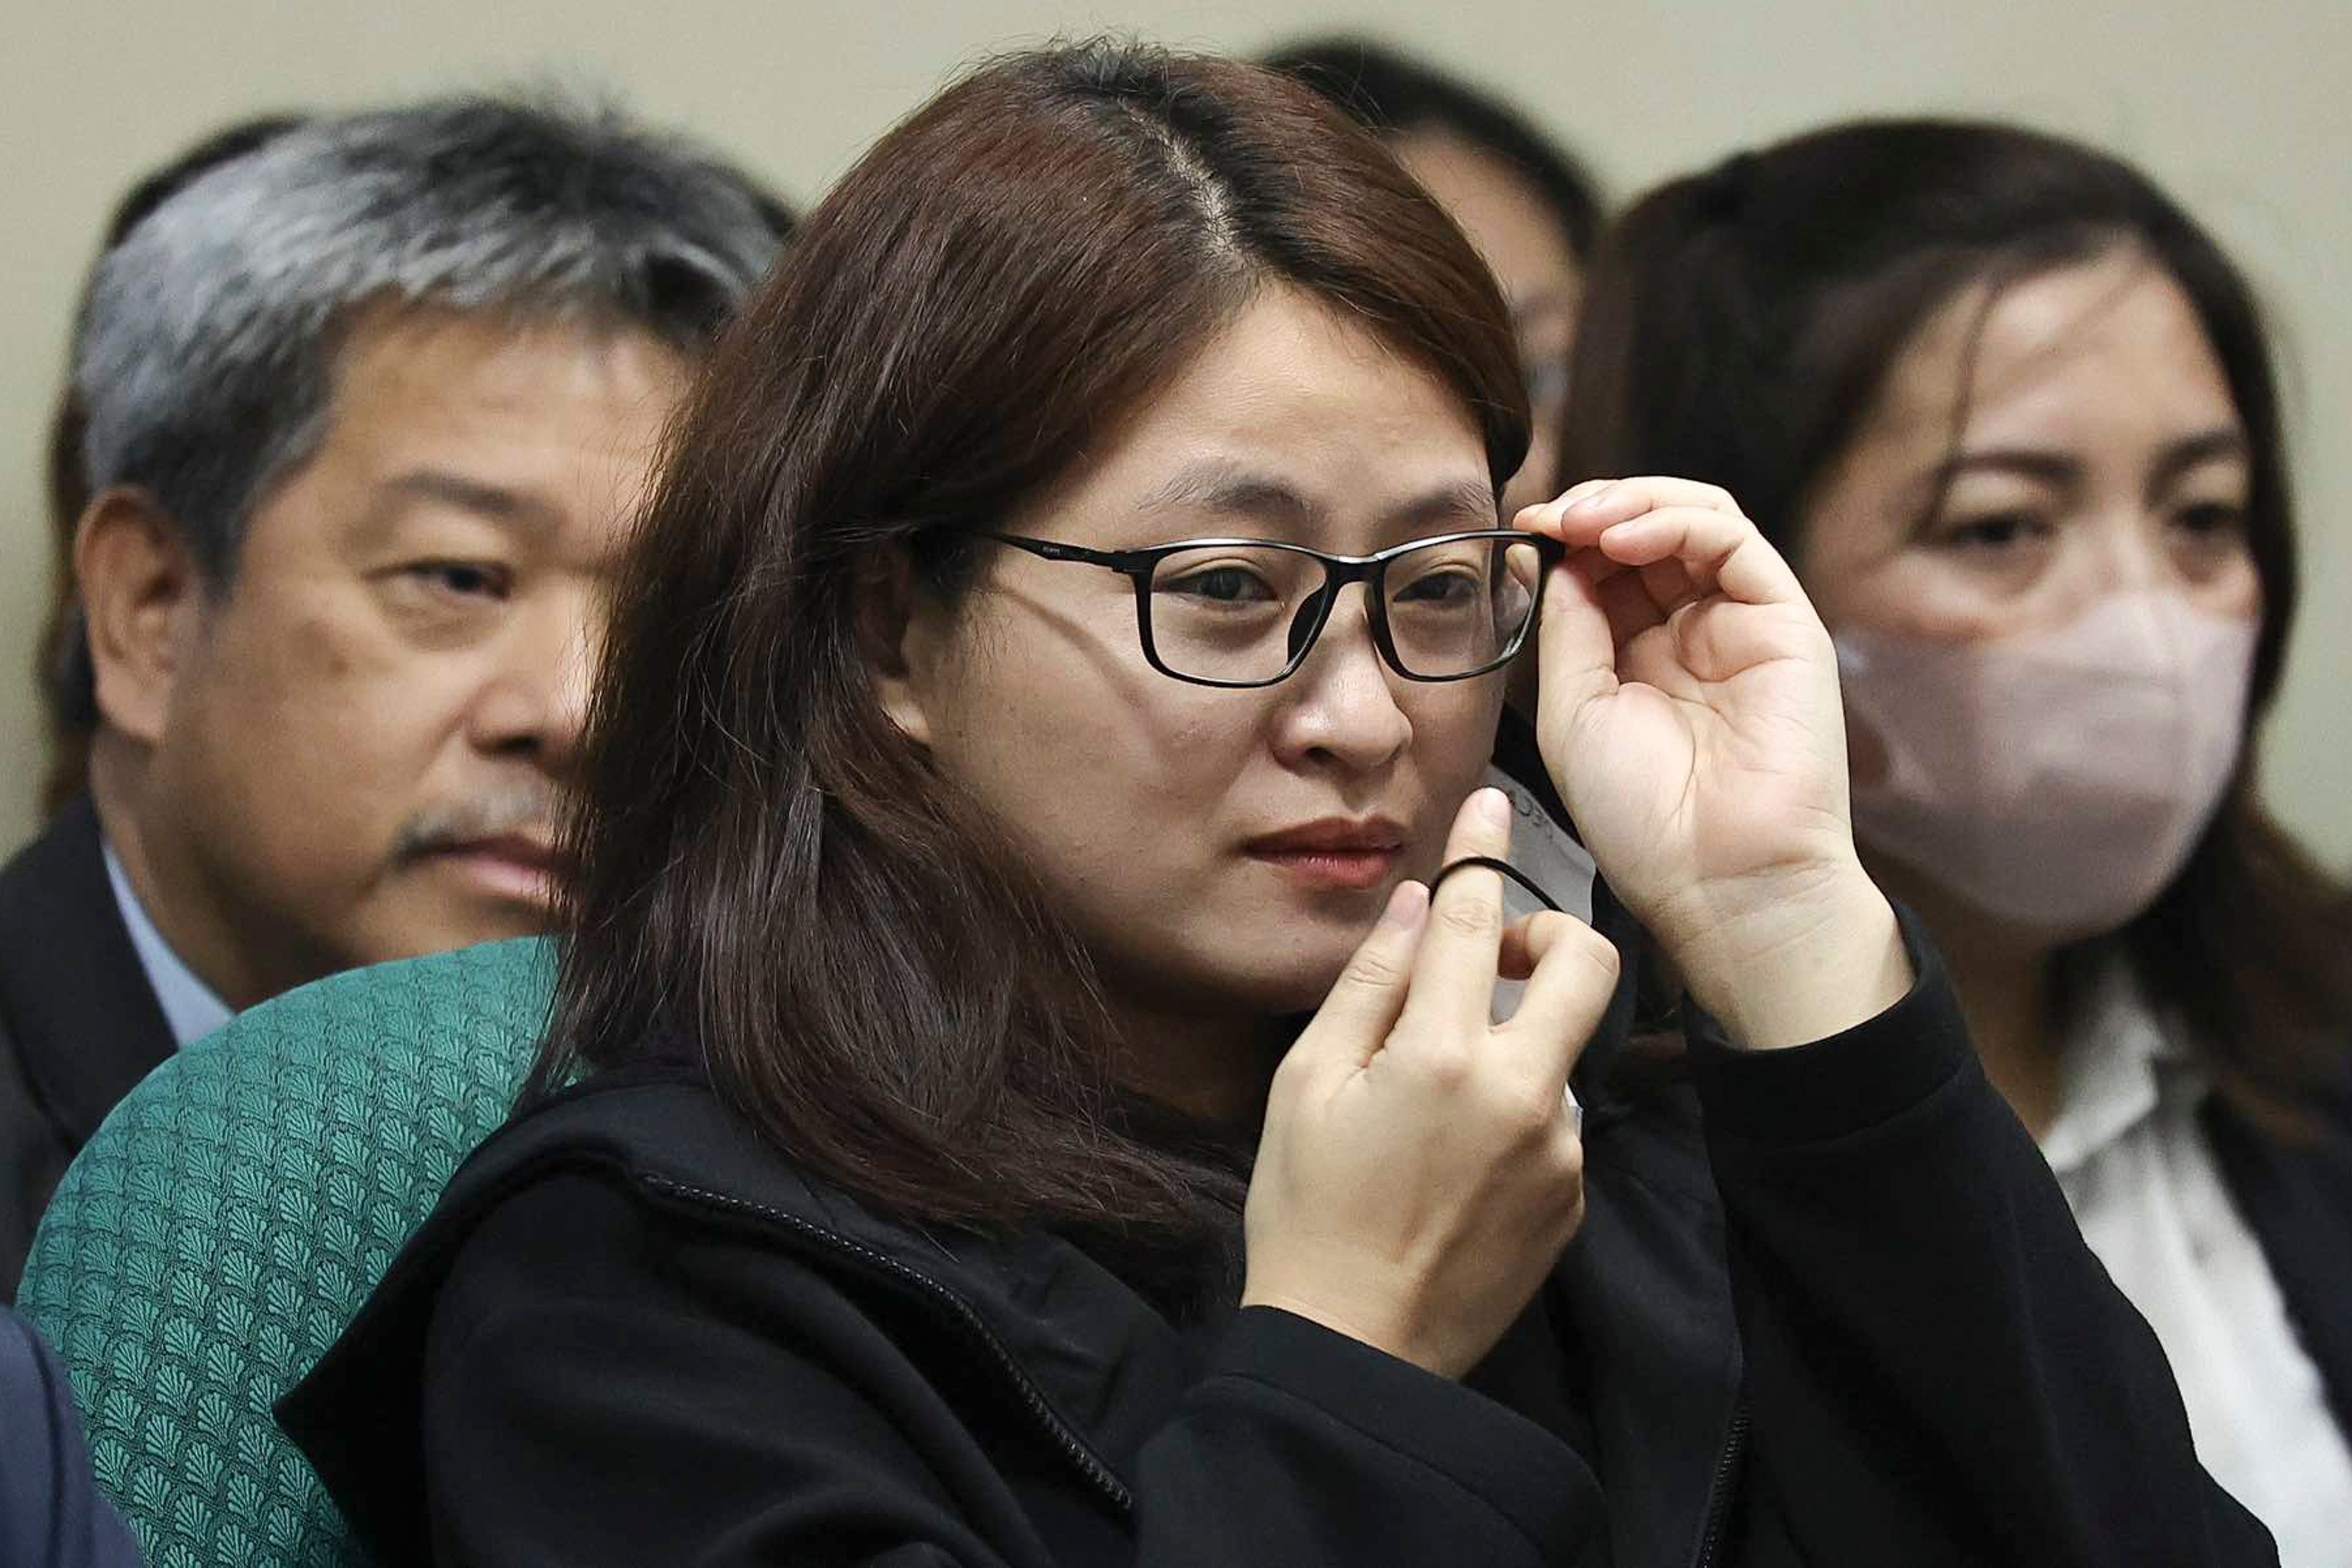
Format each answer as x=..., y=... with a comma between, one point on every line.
x=1688, y=712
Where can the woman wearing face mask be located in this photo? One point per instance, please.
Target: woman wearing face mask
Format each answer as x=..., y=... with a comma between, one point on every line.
x=1036, y=1110
x=2010, y=414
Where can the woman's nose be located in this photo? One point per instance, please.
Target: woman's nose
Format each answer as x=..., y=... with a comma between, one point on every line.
x=1342, y=704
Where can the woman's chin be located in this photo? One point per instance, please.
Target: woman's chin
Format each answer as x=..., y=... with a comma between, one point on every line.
x=1298, y=987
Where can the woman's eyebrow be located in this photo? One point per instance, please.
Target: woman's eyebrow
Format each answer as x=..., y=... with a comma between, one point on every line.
x=2025, y=462
x=1466, y=504
x=1225, y=489
x=2220, y=444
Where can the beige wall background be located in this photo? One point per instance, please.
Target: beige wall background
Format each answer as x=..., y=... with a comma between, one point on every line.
x=2240, y=108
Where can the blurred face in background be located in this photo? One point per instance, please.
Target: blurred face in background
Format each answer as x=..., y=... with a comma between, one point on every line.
x=2034, y=556
x=355, y=748
x=1507, y=217
x=2099, y=450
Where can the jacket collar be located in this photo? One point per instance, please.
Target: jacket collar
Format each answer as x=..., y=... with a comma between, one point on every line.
x=73, y=994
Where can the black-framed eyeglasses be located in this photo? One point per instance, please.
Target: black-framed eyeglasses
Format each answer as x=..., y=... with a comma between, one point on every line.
x=1246, y=612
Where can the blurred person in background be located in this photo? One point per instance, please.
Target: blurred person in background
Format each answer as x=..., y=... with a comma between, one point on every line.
x=1526, y=202
x=2010, y=412
x=61, y=672
x=364, y=412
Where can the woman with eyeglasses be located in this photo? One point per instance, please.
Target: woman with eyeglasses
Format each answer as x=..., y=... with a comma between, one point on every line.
x=2008, y=411
x=1013, y=1096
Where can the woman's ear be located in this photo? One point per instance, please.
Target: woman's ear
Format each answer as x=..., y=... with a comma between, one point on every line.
x=901, y=631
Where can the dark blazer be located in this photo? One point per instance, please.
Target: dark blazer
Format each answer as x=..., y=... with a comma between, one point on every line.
x=80, y=1024
x=1850, y=1322
x=52, y=1514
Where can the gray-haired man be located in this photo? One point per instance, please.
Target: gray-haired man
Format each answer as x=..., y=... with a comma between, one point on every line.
x=368, y=409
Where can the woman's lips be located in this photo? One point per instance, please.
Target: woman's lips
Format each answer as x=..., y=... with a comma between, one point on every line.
x=1336, y=853
x=1353, y=870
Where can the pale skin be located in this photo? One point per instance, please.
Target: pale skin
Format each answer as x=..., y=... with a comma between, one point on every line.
x=352, y=751
x=2101, y=451
x=1418, y=1169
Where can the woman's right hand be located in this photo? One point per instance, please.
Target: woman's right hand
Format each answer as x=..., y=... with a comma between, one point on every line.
x=1420, y=1169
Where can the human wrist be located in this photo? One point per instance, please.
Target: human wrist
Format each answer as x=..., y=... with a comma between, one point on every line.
x=1801, y=966
x=1387, y=1332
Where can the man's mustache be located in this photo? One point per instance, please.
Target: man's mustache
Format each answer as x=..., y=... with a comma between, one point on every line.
x=527, y=812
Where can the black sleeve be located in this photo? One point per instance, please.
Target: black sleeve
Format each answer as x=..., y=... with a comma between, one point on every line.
x=52, y=1514
x=601, y=1388
x=1934, y=1358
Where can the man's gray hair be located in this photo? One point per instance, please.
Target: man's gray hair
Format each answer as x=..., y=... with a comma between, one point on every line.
x=205, y=357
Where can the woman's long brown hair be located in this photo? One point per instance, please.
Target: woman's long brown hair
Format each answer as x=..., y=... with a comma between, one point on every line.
x=770, y=872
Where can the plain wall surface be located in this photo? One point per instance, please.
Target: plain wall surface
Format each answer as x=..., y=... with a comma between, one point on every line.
x=2241, y=111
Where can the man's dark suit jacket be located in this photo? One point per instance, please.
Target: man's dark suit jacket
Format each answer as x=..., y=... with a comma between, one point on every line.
x=80, y=1024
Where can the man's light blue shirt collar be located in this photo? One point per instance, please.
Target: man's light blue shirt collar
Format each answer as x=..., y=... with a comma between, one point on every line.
x=189, y=1005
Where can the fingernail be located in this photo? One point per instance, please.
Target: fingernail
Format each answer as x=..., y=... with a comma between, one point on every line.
x=1496, y=807
x=1405, y=905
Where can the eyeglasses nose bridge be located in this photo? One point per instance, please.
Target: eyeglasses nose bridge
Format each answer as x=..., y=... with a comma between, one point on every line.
x=1337, y=577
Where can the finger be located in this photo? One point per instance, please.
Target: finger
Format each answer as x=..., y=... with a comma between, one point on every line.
x=1452, y=988
x=1577, y=641
x=1583, y=514
x=1667, y=585
x=1574, y=974
x=1632, y=610
x=1721, y=552
x=1364, y=1002
x=1517, y=960
x=1622, y=499
x=1542, y=518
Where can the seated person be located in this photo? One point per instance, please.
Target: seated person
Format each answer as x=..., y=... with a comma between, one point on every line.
x=2009, y=412
x=365, y=412
x=1015, y=1096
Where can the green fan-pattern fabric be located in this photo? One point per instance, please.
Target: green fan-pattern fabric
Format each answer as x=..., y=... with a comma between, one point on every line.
x=233, y=1212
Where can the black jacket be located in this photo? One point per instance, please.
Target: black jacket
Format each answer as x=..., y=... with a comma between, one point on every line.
x=80, y=1024
x=1849, y=1323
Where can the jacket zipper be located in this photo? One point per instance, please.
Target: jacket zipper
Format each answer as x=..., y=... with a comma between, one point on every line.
x=1727, y=1477
x=1041, y=1411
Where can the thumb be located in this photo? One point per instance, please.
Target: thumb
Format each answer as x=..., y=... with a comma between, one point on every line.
x=1576, y=645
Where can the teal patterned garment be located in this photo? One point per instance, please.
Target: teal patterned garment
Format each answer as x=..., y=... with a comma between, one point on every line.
x=233, y=1212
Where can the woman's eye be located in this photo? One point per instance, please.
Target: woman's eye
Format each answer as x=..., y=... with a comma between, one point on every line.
x=1222, y=585
x=461, y=578
x=1443, y=588
x=1993, y=533
x=2211, y=520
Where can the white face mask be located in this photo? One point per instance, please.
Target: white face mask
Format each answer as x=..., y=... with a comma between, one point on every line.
x=2058, y=779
